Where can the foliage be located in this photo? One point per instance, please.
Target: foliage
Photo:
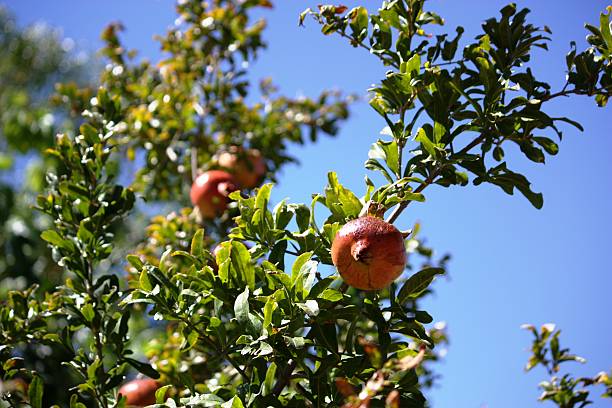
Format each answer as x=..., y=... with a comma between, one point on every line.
x=32, y=59
x=262, y=320
x=563, y=391
x=487, y=90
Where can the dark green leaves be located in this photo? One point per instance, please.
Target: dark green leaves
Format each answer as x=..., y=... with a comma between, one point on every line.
x=235, y=264
x=564, y=390
x=269, y=380
x=547, y=144
x=86, y=204
x=263, y=334
x=54, y=239
x=303, y=275
x=508, y=180
x=241, y=307
x=511, y=38
x=358, y=21
x=35, y=392
x=417, y=284
x=389, y=153
x=144, y=368
x=244, y=317
x=490, y=93
x=426, y=143
x=342, y=202
x=590, y=71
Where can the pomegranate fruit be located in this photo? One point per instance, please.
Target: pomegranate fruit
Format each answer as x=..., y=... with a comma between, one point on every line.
x=210, y=191
x=139, y=393
x=369, y=253
x=248, y=167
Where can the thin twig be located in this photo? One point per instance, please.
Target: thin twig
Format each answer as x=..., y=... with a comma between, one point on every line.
x=402, y=206
x=212, y=344
x=194, y=163
x=441, y=64
x=284, y=378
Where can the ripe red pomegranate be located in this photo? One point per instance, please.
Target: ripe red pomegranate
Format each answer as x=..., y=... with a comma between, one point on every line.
x=248, y=167
x=369, y=253
x=139, y=393
x=210, y=191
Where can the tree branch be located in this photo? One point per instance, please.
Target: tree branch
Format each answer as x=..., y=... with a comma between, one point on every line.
x=402, y=206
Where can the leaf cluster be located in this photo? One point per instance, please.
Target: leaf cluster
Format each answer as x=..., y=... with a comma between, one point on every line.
x=245, y=310
x=566, y=391
x=435, y=95
x=284, y=336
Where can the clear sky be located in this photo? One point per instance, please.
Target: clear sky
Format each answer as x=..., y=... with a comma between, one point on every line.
x=512, y=264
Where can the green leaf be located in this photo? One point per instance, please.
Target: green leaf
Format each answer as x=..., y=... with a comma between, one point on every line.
x=349, y=344
x=268, y=383
x=387, y=151
x=241, y=264
x=303, y=278
x=263, y=196
x=222, y=254
x=358, y=22
x=417, y=283
x=93, y=369
x=202, y=400
x=571, y=122
x=163, y=261
x=90, y=133
x=6, y=161
x=277, y=254
x=241, y=306
x=197, y=243
x=35, y=392
x=507, y=180
x=311, y=307
x=144, y=282
x=298, y=265
x=459, y=88
x=144, y=368
x=331, y=295
x=53, y=238
x=160, y=394
x=438, y=131
x=187, y=258
x=533, y=153
x=235, y=402
x=88, y=312
x=282, y=215
x=373, y=164
x=135, y=261
x=193, y=338
x=296, y=342
x=336, y=194
x=412, y=67
x=74, y=402
x=427, y=144
x=606, y=33
x=547, y=144
x=302, y=215
x=268, y=310
x=320, y=286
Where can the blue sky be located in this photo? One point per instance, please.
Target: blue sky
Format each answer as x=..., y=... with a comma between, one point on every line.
x=512, y=264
